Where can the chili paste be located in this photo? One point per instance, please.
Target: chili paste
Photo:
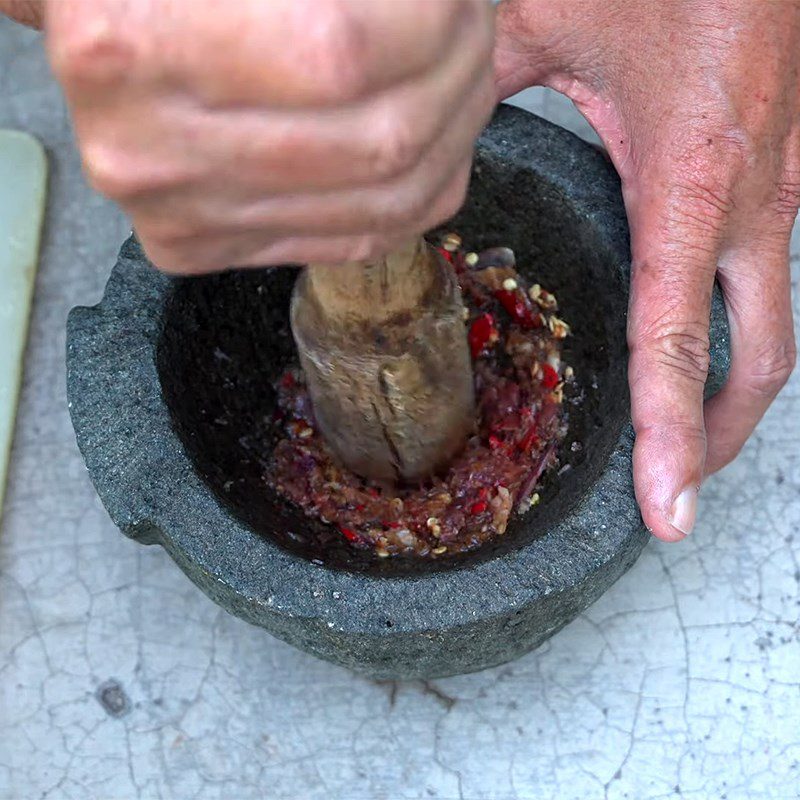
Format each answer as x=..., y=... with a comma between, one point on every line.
x=515, y=338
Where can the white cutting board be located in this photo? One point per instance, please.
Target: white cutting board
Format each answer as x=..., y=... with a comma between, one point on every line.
x=23, y=183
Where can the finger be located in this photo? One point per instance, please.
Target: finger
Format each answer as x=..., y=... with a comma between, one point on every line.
x=291, y=54
x=397, y=204
x=323, y=53
x=280, y=151
x=375, y=142
x=257, y=248
x=757, y=286
x=205, y=255
x=337, y=250
x=675, y=241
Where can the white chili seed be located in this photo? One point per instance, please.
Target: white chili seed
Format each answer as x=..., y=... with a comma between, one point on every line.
x=546, y=300
x=471, y=259
x=451, y=242
x=559, y=328
x=509, y=284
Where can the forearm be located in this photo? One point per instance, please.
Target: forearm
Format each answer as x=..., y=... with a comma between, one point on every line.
x=27, y=12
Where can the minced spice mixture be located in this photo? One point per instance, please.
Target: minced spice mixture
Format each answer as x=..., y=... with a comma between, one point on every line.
x=515, y=336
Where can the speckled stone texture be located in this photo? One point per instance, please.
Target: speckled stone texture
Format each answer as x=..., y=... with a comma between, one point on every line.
x=153, y=364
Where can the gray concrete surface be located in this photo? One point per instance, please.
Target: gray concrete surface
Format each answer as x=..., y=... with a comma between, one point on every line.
x=118, y=679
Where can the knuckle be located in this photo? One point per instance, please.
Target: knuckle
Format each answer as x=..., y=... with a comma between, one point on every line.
x=406, y=214
x=110, y=171
x=393, y=148
x=93, y=52
x=122, y=174
x=452, y=199
x=681, y=349
x=169, y=231
x=426, y=207
x=679, y=434
x=772, y=366
x=174, y=259
x=428, y=211
x=364, y=248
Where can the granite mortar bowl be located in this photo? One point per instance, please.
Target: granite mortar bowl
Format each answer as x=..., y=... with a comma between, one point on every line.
x=169, y=383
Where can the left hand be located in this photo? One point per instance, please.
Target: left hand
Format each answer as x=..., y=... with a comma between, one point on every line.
x=698, y=104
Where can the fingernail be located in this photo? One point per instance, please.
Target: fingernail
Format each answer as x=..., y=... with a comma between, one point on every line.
x=684, y=510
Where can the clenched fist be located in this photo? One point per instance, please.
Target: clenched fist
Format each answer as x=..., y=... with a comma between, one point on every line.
x=255, y=133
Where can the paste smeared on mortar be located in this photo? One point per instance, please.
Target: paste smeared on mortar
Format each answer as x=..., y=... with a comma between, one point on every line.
x=515, y=336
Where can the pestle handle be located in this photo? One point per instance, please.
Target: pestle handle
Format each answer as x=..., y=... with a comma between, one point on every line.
x=384, y=350
x=374, y=291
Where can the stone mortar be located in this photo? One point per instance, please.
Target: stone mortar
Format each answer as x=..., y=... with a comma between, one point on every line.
x=169, y=390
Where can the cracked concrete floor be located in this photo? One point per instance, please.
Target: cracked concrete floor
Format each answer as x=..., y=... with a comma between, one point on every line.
x=118, y=679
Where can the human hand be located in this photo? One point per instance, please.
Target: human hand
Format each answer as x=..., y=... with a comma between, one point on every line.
x=698, y=105
x=26, y=12
x=255, y=133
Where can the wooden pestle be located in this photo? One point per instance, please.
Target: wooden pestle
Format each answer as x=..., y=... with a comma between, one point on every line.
x=384, y=349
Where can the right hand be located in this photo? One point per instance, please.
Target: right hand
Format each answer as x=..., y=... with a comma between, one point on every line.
x=254, y=133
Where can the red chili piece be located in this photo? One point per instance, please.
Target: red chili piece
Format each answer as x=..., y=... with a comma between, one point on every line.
x=480, y=332
x=348, y=534
x=458, y=262
x=445, y=254
x=514, y=303
x=495, y=442
x=528, y=441
x=287, y=381
x=478, y=508
x=549, y=377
